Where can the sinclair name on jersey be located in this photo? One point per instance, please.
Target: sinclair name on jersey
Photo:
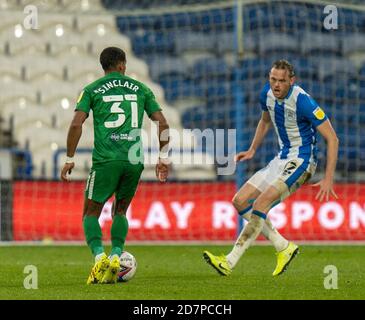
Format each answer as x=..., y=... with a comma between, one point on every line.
x=116, y=83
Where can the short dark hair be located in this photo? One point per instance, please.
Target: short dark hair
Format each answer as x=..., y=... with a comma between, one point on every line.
x=284, y=64
x=110, y=57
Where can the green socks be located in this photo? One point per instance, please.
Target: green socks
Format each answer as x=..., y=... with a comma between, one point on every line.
x=119, y=232
x=93, y=234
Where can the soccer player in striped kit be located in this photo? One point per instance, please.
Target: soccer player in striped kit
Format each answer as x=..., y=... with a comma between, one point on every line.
x=296, y=118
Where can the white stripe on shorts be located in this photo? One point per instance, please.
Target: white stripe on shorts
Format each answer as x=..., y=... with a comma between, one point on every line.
x=91, y=185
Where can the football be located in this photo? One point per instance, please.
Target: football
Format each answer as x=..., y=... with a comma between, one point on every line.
x=128, y=267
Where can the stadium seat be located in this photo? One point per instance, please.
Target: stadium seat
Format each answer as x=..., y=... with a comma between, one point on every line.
x=353, y=43
x=96, y=25
x=254, y=68
x=194, y=41
x=10, y=69
x=160, y=66
x=84, y=67
x=153, y=42
x=42, y=5
x=9, y=21
x=82, y=5
x=25, y=43
x=329, y=69
x=34, y=136
x=8, y=5
x=70, y=43
x=17, y=93
x=42, y=70
x=29, y=114
x=54, y=94
x=319, y=43
x=50, y=21
x=210, y=68
x=278, y=42
x=98, y=43
x=305, y=68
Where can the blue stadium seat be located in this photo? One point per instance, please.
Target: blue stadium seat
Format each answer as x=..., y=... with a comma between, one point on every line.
x=350, y=20
x=304, y=68
x=278, y=42
x=353, y=43
x=177, y=86
x=332, y=68
x=320, y=43
x=153, y=42
x=253, y=68
x=194, y=41
x=161, y=65
x=211, y=68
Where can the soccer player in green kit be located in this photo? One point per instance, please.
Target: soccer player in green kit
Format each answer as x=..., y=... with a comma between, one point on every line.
x=118, y=103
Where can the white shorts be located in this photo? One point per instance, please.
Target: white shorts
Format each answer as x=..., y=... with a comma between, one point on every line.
x=286, y=175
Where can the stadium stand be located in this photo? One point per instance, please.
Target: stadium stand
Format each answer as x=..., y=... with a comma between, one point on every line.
x=188, y=58
x=43, y=71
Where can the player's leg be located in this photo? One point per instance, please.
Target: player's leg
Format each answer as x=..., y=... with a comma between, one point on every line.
x=93, y=237
x=100, y=186
x=124, y=194
x=91, y=226
x=293, y=175
x=243, y=202
x=255, y=224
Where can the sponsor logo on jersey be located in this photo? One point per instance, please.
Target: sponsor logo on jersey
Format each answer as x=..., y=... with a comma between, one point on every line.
x=319, y=113
x=122, y=136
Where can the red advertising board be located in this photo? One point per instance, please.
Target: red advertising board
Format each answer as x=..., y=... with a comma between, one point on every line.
x=184, y=211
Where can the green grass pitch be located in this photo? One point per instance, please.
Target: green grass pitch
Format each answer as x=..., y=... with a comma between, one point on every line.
x=178, y=272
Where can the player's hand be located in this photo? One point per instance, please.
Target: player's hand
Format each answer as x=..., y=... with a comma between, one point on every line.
x=67, y=169
x=162, y=169
x=325, y=190
x=244, y=155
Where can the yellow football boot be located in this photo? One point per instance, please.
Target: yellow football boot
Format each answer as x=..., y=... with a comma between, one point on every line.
x=219, y=263
x=284, y=258
x=111, y=274
x=98, y=270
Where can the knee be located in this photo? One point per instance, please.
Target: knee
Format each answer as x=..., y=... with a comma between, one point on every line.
x=262, y=204
x=120, y=207
x=92, y=208
x=240, y=202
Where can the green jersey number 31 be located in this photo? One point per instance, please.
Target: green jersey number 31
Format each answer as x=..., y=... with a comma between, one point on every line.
x=116, y=108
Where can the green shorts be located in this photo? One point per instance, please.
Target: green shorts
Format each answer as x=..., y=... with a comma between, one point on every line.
x=107, y=178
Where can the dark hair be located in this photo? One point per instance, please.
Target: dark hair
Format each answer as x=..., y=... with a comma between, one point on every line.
x=110, y=57
x=284, y=64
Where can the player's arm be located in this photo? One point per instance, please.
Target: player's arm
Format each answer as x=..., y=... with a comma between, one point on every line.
x=162, y=167
x=326, y=184
x=262, y=129
x=75, y=130
x=73, y=137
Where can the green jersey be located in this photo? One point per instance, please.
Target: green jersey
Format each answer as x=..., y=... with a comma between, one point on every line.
x=118, y=104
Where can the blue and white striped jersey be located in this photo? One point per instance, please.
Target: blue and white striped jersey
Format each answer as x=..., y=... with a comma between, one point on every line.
x=295, y=119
